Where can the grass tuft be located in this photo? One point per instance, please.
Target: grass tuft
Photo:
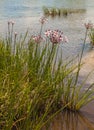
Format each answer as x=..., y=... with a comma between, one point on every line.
x=36, y=84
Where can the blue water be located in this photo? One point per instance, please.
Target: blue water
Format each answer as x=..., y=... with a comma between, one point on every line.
x=26, y=14
x=30, y=8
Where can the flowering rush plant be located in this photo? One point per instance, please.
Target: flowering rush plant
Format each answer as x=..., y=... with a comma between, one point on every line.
x=55, y=36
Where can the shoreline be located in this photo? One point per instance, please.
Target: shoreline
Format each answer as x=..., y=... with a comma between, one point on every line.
x=87, y=68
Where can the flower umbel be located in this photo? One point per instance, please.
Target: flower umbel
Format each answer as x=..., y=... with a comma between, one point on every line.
x=37, y=39
x=56, y=36
x=43, y=20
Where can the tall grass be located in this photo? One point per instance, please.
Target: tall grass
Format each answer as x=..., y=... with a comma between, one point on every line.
x=35, y=83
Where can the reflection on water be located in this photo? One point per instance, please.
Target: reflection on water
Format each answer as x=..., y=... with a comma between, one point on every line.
x=68, y=120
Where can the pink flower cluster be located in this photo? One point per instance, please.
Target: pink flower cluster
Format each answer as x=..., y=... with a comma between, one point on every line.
x=37, y=38
x=88, y=25
x=43, y=20
x=56, y=36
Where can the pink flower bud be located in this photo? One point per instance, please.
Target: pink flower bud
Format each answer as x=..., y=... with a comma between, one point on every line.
x=88, y=25
x=12, y=22
x=15, y=34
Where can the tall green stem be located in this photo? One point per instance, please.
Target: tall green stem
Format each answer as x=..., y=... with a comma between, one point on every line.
x=81, y=56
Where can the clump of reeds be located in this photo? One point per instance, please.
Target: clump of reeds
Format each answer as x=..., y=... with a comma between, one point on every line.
x=62, y=11
x=35, y=83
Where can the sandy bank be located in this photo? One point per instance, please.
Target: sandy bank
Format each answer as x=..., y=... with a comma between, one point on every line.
x=88, y=67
